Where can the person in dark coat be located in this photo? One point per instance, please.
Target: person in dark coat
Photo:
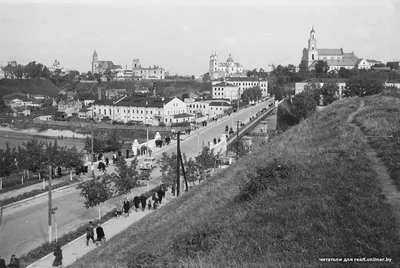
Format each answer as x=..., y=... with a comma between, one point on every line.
x=149, y=205
x=143, y=200
x=100, y=234
x=127, y=207
x=160, y=194
x=14, y=262
x=58, y=253
x=2, y=263
x=136, y=202
x=89, y=233
x=107, y=161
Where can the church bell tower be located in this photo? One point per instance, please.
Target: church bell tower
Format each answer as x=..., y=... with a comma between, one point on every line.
x=312, y=48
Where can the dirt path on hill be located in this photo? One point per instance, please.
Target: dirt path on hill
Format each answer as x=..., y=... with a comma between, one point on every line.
x=388, y=188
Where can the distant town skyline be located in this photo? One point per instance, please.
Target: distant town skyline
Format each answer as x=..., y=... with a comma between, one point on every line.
x=181, y=35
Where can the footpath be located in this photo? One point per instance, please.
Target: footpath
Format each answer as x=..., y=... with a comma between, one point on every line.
x=77, y=248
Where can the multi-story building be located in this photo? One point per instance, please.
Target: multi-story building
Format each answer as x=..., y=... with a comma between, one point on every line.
x=154, y=72
x=197, y=106
x=341, y=82
x=151, y=111
x=218, y=107
x=224, y=69
x=69, y=106
x=239, y=84
x=101, y=66
x=225, y=90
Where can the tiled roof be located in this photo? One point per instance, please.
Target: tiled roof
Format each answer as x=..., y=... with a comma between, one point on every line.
x=326, y=80
x=247, y=79
x=342, y=62
x=103, y=102
x=184, y=115
x=223, y=84
x=330, y=51
x=393, y=80
x=219, y=103
x=143, y=102
x=349, y=56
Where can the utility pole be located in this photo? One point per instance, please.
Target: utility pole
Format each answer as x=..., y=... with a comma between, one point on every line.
x=183, y=171
x=237, y=140
x=50, y=207
x=178, y=152
x=92, y=166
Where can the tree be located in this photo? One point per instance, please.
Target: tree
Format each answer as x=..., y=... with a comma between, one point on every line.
x=72, y=159
x=185, y=96
x=112, y=142
x=98, y=145
x=32, y=154
x=206, y=78
x=168, y=168
x=125, y=177
x=7, y=161
x=240, y=148
x=3, y=107
x=363, y=85
x=329, y=92
x=306, y=102
x=96, y=191
x=251, y=94
x=344, y=73
x=321, y=68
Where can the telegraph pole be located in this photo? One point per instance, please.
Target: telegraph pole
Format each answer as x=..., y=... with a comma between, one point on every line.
x=50, y=206
x=92, y=167
x=178, y=153
x=237, y=140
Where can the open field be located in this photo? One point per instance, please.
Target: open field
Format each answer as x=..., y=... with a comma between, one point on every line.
x=15, y=139
x=309, y=194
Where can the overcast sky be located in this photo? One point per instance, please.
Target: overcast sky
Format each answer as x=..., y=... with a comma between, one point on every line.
x=180, y=35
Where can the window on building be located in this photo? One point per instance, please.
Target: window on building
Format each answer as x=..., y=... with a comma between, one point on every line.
x=312, y=56
x=141, y=111
x=105, y=112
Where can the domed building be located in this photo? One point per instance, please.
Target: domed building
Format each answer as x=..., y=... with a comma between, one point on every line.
x=230, y=68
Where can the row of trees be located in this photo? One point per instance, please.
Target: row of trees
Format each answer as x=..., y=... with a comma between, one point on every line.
x=123, y=180
x=30, y=71
x=36, y=156
x=110, y=143
x=251, y=94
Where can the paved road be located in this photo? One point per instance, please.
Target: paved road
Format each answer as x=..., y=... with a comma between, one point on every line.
x=25, y=226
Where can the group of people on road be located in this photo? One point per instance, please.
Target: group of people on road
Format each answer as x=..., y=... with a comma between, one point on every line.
x=100, y=235
x=140, y=202
x=14, y=262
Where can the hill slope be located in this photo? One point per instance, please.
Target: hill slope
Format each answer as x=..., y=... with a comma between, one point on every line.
x=31, y=86
x=309, y=194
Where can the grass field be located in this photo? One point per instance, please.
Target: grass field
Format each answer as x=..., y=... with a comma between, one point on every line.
x=307, y=195
x=381, y=122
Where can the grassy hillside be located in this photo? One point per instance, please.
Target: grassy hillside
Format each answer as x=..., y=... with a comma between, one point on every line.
x=31, y=86
x=309, y=194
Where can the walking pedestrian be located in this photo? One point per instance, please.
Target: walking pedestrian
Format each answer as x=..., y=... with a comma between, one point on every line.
x=100, y=234
x=2, y=263
x=155, y=205
x=127, y=207
x=107, y=161
x=149, y=205
x=14, y=262
x=89, y=233
x=136, y=202
x=160, y=194
x=58, y=253
x=143, y=200
x=119, y=209
x=155, y=196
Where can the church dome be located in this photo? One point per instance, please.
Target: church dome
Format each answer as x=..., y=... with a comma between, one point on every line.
x=230, y=58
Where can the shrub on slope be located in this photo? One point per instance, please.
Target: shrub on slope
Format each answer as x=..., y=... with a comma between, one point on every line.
x=309, y=194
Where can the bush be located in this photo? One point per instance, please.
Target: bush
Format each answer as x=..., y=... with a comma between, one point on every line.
x=267, y=177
